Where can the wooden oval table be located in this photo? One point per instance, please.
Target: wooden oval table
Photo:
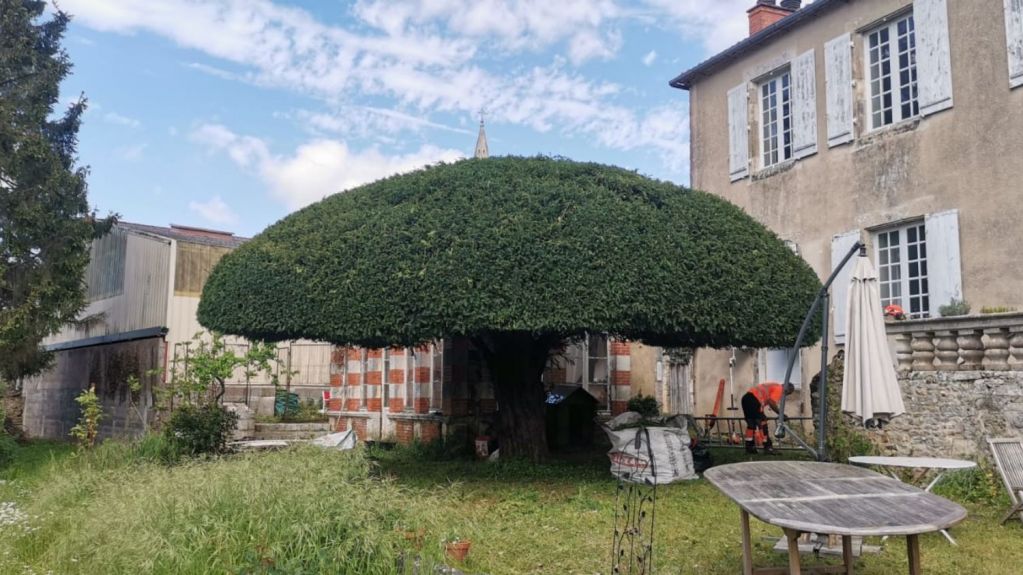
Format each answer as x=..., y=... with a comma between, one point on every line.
x=832, y=499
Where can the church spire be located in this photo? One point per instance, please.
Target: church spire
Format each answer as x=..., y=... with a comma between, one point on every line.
x=482, y=150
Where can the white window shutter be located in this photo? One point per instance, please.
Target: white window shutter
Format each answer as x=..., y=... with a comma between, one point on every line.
x=804, y=105
x=840, y=246
x=933, y=59
x=738, y=133
x=1014, y=38
x=944, y=274
x=838, y=79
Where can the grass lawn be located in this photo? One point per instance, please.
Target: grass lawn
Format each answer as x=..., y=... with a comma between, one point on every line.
x=312, y=511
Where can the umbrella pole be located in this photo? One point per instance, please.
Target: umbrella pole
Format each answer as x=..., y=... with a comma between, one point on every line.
x=781, y=428
x=822, y=385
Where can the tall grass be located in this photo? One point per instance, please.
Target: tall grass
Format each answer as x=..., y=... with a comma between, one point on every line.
x=303, y=510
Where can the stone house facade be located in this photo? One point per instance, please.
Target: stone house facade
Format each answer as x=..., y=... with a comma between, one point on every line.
x=893, y=122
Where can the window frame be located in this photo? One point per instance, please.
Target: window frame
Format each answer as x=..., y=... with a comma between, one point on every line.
x=781, y=79
x=906, y=262
x=896, y=86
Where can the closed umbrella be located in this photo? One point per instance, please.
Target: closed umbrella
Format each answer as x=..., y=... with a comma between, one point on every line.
x=870, y=389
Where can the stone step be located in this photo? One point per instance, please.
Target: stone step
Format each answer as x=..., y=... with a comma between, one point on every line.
x=287, y=435
x=288, y=427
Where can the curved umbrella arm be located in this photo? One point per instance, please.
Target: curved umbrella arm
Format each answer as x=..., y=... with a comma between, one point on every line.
x=822, y=297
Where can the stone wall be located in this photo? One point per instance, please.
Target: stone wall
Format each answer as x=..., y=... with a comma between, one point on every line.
x=950, y=413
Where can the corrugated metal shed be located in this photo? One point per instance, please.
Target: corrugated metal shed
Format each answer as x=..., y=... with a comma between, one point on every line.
x=127, y=280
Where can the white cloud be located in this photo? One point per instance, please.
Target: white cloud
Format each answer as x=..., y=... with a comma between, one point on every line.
x=132, y=153
x=650, y=57
x=426, y=58
x=119, y=120
x=214, y=210
x=318, y=168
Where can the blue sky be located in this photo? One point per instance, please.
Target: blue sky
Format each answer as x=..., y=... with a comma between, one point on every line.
x=232, y=113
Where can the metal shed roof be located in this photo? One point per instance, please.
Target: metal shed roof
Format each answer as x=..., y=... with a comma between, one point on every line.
x=188, y=234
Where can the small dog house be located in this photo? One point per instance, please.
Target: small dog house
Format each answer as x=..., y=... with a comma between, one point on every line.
x=570, y=417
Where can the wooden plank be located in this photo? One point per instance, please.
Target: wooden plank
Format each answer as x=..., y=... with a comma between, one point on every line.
x=747, y=544
x=832, y=498
x=793, y=539
x=847, y=554
x=913, y=549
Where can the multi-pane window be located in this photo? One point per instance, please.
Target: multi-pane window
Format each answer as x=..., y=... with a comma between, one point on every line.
x=596, y=358
x=776, y=119
x=891, y=64
x=902, y=269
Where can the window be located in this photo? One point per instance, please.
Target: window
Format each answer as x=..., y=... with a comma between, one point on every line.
x=596, y=358
x=776, y=119
x=902, y=269
x=891, y=65
x=773, y=363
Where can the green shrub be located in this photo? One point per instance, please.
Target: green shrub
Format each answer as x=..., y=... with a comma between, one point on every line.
x=980, y=485
x=87, y=429
x=645, y=405
x=954, y=308
x=200, y=430
x=8, y=449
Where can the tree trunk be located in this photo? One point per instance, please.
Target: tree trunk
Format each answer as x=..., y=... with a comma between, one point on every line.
x=516, y=362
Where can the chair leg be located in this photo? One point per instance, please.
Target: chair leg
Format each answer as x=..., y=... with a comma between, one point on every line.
x=1017, y=508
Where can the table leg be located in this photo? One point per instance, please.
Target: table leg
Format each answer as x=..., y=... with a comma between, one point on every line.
x=928, y=489
x=913, y=548
x=793, y=538
x=847, y=554
x=747, y=544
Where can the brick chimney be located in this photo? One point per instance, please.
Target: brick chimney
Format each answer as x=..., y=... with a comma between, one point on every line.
x=766, y=13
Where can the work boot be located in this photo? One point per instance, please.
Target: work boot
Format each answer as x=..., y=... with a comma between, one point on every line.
x=751, y=447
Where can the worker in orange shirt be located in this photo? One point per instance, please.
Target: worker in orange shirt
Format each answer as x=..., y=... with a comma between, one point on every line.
x=767, y=394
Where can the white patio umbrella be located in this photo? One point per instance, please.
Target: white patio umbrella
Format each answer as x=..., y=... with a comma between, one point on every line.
x=870, y=389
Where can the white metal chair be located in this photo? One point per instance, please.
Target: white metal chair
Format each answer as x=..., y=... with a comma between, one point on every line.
x=1008, y=454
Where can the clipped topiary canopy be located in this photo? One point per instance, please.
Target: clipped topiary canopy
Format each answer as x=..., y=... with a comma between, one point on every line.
x=535, y=245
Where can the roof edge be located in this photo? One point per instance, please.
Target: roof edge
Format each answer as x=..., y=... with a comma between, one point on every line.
x=685, y=80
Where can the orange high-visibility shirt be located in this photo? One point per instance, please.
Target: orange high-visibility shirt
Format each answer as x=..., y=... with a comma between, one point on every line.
x=768, y=393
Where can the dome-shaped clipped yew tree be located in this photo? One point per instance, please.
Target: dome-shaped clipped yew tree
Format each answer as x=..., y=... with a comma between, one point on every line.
x=517, y=254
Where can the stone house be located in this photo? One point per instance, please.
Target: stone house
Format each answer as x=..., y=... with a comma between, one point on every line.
x=898, y=123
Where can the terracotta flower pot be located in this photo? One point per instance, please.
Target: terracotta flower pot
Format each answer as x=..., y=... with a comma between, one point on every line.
x=457, y=550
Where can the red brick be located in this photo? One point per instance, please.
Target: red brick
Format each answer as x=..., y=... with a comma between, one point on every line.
x=352, y=405
x=354, y=378
x=334, y=404
x=619, y=407
x=429, y=432
x=422, y=375
x=359, y=425
x=405, y=431
x=354, y=353
x=396, y=405
x=373, y=404
x=621, y=378
x=396, y=376
x=337, y=356
x=335, y=380
x=761, y=17
x=374, y=353
x=342, y=424
x=421, y=405
x=373, y=378
x=620, y=348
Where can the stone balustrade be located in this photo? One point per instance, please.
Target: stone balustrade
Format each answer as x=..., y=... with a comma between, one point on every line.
x=991, y=342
